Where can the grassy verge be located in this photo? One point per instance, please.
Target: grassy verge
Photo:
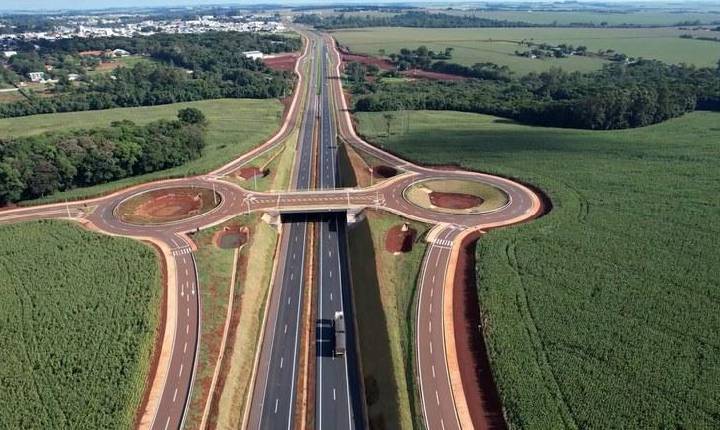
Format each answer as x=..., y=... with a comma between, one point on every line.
x=214, y=267
x=215, y=273
x=602, y=313
x=235, y=126
x=278, y=162
x=384, y=302
x=253, y=280
x=79, y=314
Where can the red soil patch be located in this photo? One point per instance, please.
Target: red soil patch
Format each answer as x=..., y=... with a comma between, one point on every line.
x=424, y=74
x=250, y=172
x=454, y=200
x=384, y=171
x=231, y=237
x=381, y=63
x=170, y=206
x=107, y=65
x=477, y=379
x=282, y=62
x=397, y=240
x=157, y=341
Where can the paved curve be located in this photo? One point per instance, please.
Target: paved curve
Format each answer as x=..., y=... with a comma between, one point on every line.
x=388, y=195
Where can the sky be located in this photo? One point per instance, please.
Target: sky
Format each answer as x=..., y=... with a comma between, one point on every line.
x=104, y=4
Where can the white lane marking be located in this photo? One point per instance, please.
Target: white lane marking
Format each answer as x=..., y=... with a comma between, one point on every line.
x=181, y=369
x=188, y=311
x=276, y=404
x=185, y=348
x=282, y=360
x=293, y=255
x=430, y=307
x=437, y=398
x=334, y=398
x=331, y=297
x=285, y=331
x=442, y=424
x=175, y=395
x=187, y=328
x=288, y=300
x=432, y=290
x=433, y=371
x=167, y=423
x=433, y=279
x=430, y=347
x=429, y=326
x=292, y=276
x=331, y=273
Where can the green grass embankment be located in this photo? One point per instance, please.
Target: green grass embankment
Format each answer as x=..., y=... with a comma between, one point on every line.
x=234, y=127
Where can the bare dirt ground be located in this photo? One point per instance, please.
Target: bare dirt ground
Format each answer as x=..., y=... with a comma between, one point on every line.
x=381, y=63
x=384, y=172
x=282, y=62
x=454, y=200
x=250, y=172
x=167, y=205
x=157, y=342
x=398, y=240
x=478, y=382
x=231, y=237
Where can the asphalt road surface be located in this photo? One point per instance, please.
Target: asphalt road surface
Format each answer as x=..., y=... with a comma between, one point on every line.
x=273, y=401
x=274, y=390
x=338, y=395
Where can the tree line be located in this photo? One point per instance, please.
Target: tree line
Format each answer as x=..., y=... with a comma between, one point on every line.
x=32, y=167
x=618, y=96
x=188, y=67
x=406, y=19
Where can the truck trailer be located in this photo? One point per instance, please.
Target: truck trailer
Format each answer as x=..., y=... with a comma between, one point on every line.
x=339, y=329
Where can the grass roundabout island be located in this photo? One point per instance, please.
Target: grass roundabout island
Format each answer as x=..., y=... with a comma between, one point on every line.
x=166, y=205
x=461, y=196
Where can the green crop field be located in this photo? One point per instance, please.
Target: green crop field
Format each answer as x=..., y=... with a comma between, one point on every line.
x=649, y=17
x=235, y=126
x=603, y=313
x=78, y=314
x=498, y=45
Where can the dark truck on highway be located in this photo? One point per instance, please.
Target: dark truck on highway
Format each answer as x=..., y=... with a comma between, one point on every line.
x=339, y=328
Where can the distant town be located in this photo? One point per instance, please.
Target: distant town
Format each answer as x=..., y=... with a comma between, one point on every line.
x=86, y=26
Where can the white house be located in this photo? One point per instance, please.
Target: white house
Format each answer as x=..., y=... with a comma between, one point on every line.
x=8, y=54
x=120, y=53
x=255, y=55
x=73, y=76
x=37, y=76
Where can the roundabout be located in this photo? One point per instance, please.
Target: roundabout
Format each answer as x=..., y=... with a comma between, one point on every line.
x=167, y=205
x=456, y=196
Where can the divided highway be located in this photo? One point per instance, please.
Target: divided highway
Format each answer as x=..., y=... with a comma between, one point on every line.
x=274, y=393
x=338, y=389
x=338, y=394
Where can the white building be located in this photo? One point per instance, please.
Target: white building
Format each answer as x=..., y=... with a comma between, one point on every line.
x=255, y=55
x=8, y=54
x=37, y=76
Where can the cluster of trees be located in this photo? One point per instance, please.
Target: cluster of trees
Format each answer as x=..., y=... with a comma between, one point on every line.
x=420, y=58
x=426, y=59
x=188, y=67
x=407, y=19
x=37, y=166
x=618, y=96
